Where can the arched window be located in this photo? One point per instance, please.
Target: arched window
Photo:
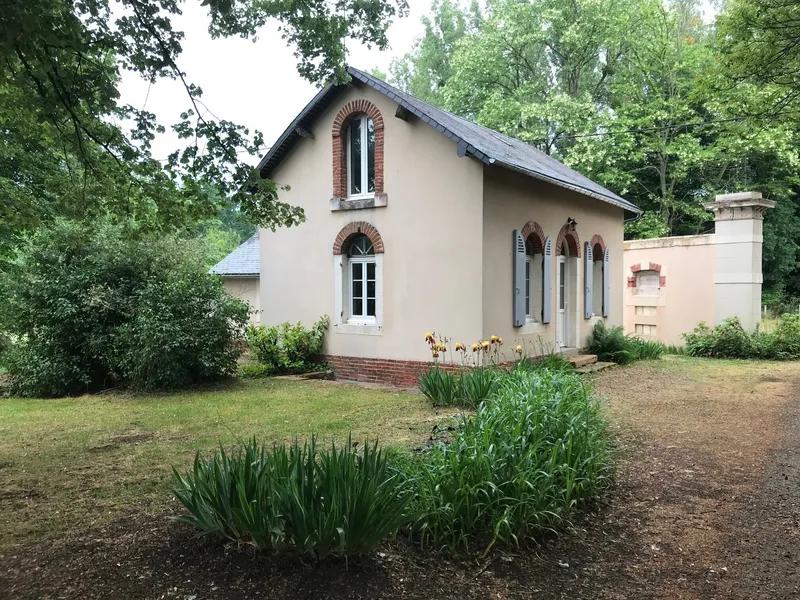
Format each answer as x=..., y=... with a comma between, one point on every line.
x=534, y=272
x=599, y=264
x=648, y=283
x=362, y=281
x=361, y=157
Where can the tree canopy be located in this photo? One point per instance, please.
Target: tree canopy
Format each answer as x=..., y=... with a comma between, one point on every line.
x=639, y=95
x=65, y=147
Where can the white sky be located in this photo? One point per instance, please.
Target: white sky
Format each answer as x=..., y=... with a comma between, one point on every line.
x=251, y=84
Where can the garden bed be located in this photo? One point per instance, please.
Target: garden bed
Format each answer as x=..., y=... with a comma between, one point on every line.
x=702, y=505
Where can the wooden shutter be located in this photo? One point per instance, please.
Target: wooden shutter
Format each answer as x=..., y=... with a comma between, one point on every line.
x=588, y=280
x=518, y=291
x=547, y=276
x=606, y=282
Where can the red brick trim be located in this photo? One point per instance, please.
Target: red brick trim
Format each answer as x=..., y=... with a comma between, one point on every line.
x=533, y=234
x=572, y=239
x=631, y=282
x=650, y=267
x=351, y=230
x=400, y=373
x=340, y=124
x=662, y=281
x=598, y=247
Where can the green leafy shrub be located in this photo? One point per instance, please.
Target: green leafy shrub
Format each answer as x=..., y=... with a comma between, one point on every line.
x=518, y=468
x=611, y=344
x=316, y=502
x=254, y=370
x=730, y=340
x=467, y=388
x=288, y=348
x=91, y=308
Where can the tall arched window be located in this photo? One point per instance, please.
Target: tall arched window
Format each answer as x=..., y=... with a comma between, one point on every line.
x=362, y=278
x=534, y=279
x=361, y=157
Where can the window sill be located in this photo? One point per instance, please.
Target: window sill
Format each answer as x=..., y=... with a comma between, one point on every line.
x=532, y=327
x=376, y=201
x=353, y=329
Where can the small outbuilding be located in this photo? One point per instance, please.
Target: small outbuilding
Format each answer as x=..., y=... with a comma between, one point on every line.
x=240, y=272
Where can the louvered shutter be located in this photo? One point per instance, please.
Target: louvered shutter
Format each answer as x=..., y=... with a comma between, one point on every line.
x=547, y=276
x=518, y=290
x=588, y=276
x=606, y=282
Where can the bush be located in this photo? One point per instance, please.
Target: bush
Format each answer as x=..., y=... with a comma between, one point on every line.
x=468, y=388
x=730, y=340
x=91, y=308
x=611, y=344
x=477, y=385
x=288, y=348
x=333, y=502
x=256, y=370
x=518, y=468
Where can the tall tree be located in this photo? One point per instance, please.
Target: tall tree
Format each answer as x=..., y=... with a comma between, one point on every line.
x=62, y=149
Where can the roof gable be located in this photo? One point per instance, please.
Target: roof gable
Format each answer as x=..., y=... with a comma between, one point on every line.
x=245, y=261
x=486, y=145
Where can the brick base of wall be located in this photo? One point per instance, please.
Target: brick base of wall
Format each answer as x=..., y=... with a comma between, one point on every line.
x=400, y=373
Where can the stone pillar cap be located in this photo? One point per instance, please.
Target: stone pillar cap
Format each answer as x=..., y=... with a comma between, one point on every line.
x=739, y=199
x=739, y=206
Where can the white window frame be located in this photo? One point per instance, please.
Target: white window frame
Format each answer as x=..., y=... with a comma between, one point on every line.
x=364, y=119
x=362, y=319
x=342, y=322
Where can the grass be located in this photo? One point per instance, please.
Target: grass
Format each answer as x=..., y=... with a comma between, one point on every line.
x=70, y=463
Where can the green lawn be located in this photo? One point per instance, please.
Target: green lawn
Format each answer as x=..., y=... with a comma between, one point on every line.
x=72, y=463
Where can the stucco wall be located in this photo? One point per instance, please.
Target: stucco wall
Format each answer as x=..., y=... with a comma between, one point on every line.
x=431, y=230
x=686, y=293
x=246, y=288
x=510, y=201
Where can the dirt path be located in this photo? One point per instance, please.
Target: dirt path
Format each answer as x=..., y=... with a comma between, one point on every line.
x=706, y=505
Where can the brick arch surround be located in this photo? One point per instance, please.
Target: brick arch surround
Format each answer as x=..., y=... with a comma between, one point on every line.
x=533, y=234
x=572, y=239
x=597, y=241
x=351, y=230
x=340, y=124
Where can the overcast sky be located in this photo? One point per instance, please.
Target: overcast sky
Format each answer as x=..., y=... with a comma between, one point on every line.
x=252, y=84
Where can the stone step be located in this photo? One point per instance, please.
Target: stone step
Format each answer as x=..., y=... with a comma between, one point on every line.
x=594, y=367
x=581, y=360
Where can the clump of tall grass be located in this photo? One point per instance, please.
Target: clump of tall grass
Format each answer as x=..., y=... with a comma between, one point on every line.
x=467, y=388
x=336, y=501
x=518, y=468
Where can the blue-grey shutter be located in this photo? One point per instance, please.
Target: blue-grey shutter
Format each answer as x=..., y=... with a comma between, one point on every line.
x=606, y=282
x=547, y=276
x=588, y=275
x=519, y=279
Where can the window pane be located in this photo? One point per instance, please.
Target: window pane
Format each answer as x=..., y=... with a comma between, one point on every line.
x=371, y=307
x=370, y=156
x=355, y=157
x=358, y=307
x=370, y=288
x=371, y=270
x=358, y=288
x=357, y=270
x=527, y=288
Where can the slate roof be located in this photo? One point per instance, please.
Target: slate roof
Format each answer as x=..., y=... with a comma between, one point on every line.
x=471, y=139
x=245, y=261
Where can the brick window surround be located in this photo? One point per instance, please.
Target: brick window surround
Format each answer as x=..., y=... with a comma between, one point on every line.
x=533, y=234
x=572, y=239
x=349, y=231
x=598, y=247
x=662, y=280
x=340, y=125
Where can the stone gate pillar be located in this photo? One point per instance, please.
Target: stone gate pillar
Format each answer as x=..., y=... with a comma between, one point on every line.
x=738, y=240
